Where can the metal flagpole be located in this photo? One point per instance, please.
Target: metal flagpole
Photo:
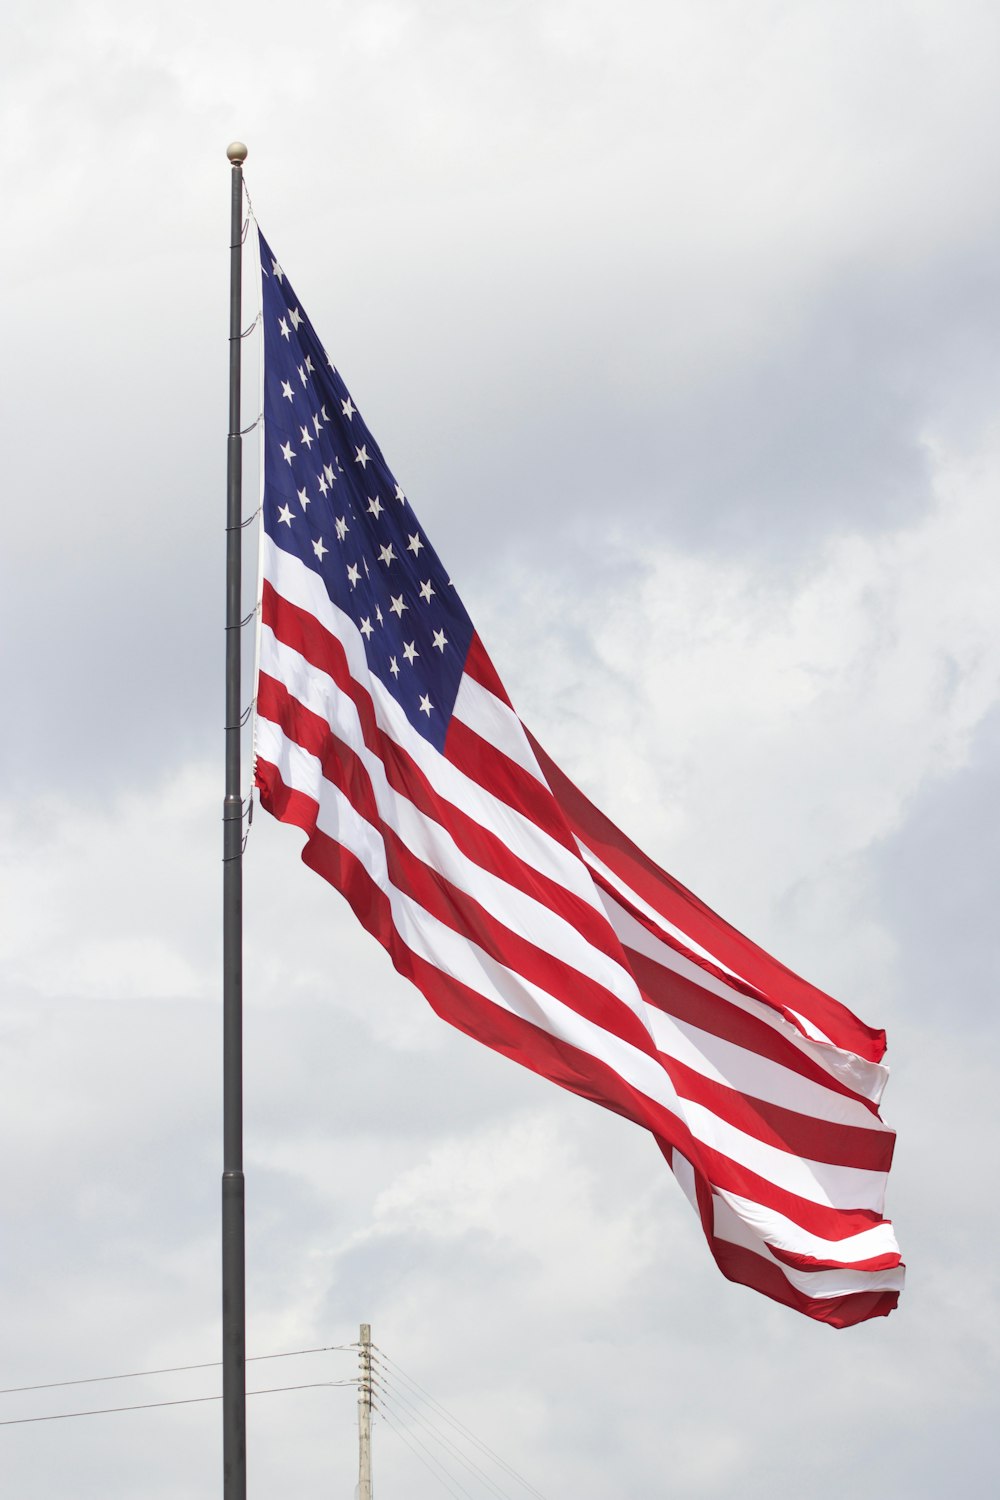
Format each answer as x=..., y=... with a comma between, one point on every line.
x=234, y=1416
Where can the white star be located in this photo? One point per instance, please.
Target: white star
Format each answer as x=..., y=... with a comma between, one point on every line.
x=286, y=391
x=323, y=486
x=320, y=550
x=342, y=528
x=302, y=375
x=425, y=704
x=426, y=591
x=375, y=506
x=399, y=494
x=279, y=273
x=303, y=499
x=414, y=544
x=378, y=614
x=317, y=423
x=349, y=408
x=309, y=365
x=328, y=471
x=353, y=574
x=296, y=318
x=286, y=449
x=366, y=628
x=362, y=453
x=386, y=554
x=393, y=666
x=307, y=436
x=440, y=640
x=364, y=561
x=285, y=516
x=286, y=332
x=410, y=651
x=322, y=412
x=397, y=606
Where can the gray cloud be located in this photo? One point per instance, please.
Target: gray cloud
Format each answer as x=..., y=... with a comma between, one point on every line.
x=678, y=324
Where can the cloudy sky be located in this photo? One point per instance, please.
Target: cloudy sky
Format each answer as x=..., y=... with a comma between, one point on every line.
x=678, y=320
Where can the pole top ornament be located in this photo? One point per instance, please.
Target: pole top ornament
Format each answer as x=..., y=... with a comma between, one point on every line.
x=237, y=153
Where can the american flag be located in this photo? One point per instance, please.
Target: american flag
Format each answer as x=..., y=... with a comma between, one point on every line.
x=524, y=916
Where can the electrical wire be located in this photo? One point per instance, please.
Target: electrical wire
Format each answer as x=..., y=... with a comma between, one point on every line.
x=417, y=1455
x=416, y=1415
x=106, y=1411
x=399, y=1406
x=430, y=1462
x=397, y=1370
x=212, y=1364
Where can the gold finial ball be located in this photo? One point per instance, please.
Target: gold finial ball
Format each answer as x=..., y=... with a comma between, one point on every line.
x=237, y=153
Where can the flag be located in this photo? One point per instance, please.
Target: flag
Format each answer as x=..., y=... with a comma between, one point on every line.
x=523, y=915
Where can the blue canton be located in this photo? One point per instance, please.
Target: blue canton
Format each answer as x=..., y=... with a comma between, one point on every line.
x=330, y=500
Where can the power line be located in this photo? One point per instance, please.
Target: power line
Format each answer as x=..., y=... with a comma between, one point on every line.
x=400, y=1408
x=106, y=1411
x=212, y=1364
x=430, y=1462
x=468, y=1463
x=397, y=1370
x=404, y=1439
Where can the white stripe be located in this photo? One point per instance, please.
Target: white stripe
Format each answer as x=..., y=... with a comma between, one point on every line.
x=531, y=844
x=427, y=840
x=775, y=1229
x=665, y=925
x=662, y=922
x=856, y=1073
x=809, y=1027
x=290, y=578
x=684, y=1172
x=534, y=920
x=767, y=1227
x=818, y=1182
x=757, y=1077
x=316, y=691
x=836, y=1282
x=486, y=715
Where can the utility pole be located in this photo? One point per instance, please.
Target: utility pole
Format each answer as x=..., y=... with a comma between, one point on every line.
x=365, y=1415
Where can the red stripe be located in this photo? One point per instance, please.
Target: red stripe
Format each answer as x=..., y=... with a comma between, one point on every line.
x=741, y=1265
x=887, y=1262
x=481, y=669
x=475, y=757
x=748, y=1269
x=491, y=769
x=447, y=902
x=799, y=1134
x=465, y=1008
x=687, y=951
x=787, y=1130
x=678, y=996
x=680, y=906
x=595, y=1080
x=303, y=633
x=274, y=702
x=530, y=1046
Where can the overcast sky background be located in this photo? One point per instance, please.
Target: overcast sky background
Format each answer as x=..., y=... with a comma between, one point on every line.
x=679, y=324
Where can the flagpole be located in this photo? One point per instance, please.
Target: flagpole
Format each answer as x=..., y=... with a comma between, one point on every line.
x=234, y=1419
